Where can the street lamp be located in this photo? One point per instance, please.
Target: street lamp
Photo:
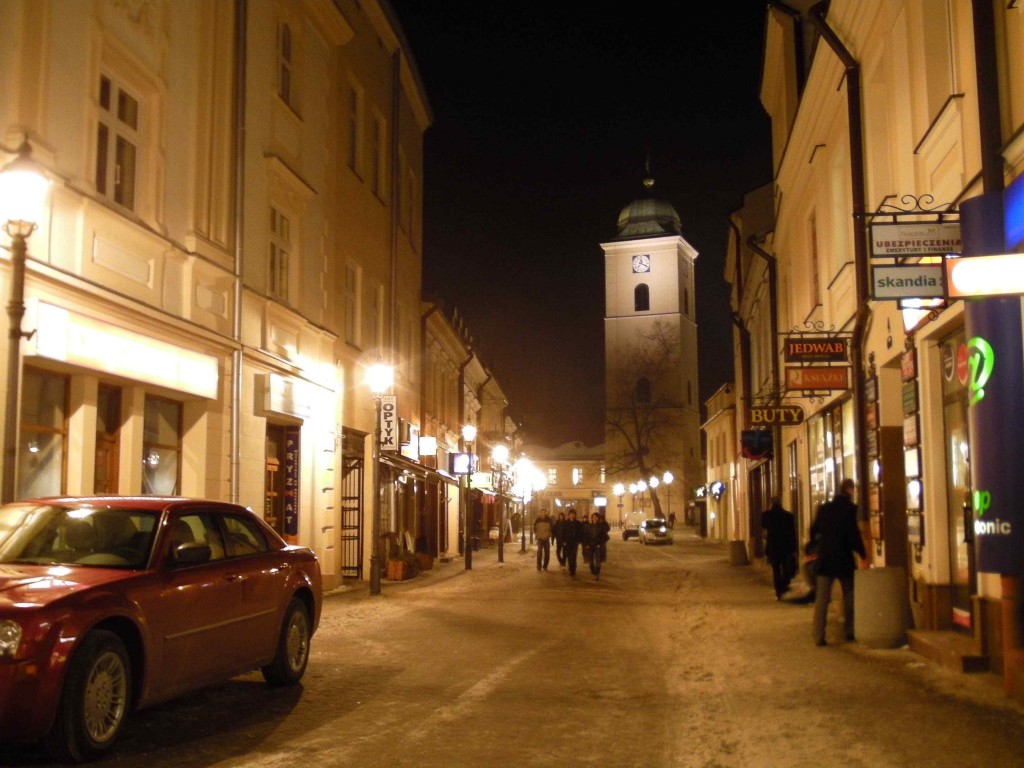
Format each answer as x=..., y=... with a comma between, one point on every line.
x=379, y=378
x=468, y=438
x=524, y=479
x=667, y=480
x=652, y=484
x=23, y=190
x=619, y=490
x=499, y=457
x=641, y=486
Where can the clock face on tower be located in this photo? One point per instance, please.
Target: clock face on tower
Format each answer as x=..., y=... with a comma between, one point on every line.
x=642, y=263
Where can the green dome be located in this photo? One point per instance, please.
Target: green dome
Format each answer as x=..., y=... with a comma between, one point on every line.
x=648, y=217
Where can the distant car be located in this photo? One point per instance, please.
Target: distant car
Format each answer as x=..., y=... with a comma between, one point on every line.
x=630, y=532
x=110, y=604
x=655, y=531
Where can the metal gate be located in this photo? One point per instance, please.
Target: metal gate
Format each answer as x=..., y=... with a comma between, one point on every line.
x=352, y=517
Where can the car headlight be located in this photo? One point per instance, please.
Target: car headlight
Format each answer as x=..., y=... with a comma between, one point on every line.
x=10, y=637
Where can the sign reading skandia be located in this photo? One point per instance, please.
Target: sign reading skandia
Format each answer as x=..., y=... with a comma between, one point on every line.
x=915, y=281
x=805, y=349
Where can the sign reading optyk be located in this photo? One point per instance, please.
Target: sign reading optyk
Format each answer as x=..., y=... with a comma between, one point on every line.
x=389, y=423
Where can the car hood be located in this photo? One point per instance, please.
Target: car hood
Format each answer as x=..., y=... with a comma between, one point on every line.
x=36, y=585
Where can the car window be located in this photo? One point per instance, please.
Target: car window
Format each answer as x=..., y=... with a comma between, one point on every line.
x=199, y=528
x=244, y=536
x=106, y=537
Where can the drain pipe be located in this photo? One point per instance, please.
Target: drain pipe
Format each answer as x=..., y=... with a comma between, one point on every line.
x=754, y=243
x=737, y=320
x=464, y=503
x=241, y=22
x=862, y=319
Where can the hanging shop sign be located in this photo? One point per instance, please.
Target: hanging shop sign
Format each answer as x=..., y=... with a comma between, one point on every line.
x=389, y=423
x=908, y=281
x=818, y=377
x=817, y=349
x=292, y=466
x=761, y=415
x=915, y=239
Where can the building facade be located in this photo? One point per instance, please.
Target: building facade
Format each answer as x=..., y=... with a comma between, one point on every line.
x=233, y=233
x=906, y=115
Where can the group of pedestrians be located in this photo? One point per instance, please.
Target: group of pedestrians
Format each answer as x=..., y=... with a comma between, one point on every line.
x=569, y=534
x=834, y=539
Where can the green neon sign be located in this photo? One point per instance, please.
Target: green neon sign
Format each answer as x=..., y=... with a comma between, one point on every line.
x=982, y=359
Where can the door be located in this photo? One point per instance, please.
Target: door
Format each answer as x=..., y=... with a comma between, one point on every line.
x=108, y=440
x=957, y=442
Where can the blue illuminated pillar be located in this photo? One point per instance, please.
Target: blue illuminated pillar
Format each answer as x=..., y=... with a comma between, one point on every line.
x=996, y=393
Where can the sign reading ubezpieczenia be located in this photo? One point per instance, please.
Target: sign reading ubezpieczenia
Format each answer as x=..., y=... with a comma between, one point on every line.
x=908, y=281
x=917, y=239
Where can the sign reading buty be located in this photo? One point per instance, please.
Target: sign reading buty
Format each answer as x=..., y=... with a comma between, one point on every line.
x=761, y=415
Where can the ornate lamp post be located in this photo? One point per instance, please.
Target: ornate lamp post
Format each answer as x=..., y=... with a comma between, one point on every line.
x=23, y=190
x=667, y=480
x=632, y=498
x=653, y=484
x=379, y=379
x=619, y=490
x=641, y=486
x=468, y=438
x=524, y=480
x=499, y=459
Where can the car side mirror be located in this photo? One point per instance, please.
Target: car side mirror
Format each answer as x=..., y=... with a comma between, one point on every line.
x=190, y=553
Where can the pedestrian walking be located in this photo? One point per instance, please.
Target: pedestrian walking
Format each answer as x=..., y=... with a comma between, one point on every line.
x=779, y=527
x=542, y=530
x=557, y=532
x=837, y=536
x=671, y=519
x=572, y=534
x=598, y=533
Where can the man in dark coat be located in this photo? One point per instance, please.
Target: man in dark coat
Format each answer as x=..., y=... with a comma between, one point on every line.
x=779, y=526
x=838, y=537
x=556, y=532
x=572, y=535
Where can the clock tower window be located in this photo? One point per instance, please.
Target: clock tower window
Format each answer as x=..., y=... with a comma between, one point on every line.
x=641, y=298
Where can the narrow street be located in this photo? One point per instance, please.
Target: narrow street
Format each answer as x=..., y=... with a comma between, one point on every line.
x=673, y=658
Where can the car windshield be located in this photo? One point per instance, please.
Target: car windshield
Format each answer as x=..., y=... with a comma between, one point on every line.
x=69, y=535
x=654, y=523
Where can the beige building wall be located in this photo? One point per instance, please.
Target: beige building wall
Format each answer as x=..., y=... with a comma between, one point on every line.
x=922, y=147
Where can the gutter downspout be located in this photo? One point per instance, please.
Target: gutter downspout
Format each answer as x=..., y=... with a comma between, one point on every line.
x=467, y=536
x=396, y=200
x=241, y=42
x=737, y=320
x=754, y=243
x=860, y=257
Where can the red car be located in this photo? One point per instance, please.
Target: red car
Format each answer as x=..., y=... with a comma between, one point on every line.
x=109, y=604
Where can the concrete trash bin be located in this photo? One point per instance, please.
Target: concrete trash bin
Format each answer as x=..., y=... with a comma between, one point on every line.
x=881, y=607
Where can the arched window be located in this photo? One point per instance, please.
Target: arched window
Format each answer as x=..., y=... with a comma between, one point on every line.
x=643, y=391
x=641, y=298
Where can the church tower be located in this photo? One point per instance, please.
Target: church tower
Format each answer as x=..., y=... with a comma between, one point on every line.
x=650, y=330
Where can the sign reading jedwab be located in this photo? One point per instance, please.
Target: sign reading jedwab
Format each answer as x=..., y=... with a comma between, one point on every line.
x=389, y=423
x=918, y=239
x=820, y=349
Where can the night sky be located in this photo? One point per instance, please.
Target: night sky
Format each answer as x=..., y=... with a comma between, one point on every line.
x=543, y=121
